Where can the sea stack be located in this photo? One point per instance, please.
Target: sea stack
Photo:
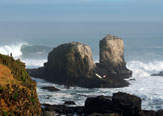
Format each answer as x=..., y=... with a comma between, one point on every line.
x=71, y=64
x=112, y=55
x=71, y=59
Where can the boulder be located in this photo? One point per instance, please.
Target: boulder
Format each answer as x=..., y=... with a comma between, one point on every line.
x=50, y=113
x=159, y=113
x=158, y=74
x=112, y=56
x=100, y=104
x=108, y=114
x=121, y=103
x=50, y=88
x=130, y=104
x=18, y=96
x=70, y=103
x=63, y=109
x=149, y=113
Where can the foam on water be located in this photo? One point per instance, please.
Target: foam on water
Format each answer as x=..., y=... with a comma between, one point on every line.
x=34, y=63
x=142, y=69
x=15, y=49
x=145, y=86
x=21, y=49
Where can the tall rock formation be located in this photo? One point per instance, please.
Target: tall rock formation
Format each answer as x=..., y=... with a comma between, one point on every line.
x=18, y=96
x=112, y=55
x=112, y=51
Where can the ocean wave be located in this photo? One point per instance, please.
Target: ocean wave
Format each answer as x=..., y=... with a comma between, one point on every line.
x=15, y=49
x=144, y=69
x=145, y=86
x=32, y=55
x=34, y=63
x=148, y=88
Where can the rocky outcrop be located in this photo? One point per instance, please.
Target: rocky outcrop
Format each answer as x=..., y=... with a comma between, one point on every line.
x=120, y=104
x=50, y=88
x=112, y=56
x=158, y=74
x=18, y=95
x=72, y=59
x=72, y=64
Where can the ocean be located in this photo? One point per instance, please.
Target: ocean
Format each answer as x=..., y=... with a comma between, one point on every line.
x=31, y=42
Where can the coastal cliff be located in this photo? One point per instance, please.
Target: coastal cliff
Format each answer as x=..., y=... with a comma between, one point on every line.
x=18, y=95
x=72, y=64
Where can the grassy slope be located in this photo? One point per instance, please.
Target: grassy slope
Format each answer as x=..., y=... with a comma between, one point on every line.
x=18, y=95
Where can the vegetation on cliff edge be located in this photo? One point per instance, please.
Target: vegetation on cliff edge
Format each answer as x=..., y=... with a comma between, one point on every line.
x=18, y=95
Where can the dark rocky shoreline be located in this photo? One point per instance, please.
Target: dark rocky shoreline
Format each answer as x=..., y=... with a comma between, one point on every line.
x=120, y=104
x=158, y=74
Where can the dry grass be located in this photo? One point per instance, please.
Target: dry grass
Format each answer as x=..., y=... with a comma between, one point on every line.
x=6, y=76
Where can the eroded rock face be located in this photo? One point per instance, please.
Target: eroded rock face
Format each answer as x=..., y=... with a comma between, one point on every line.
x=72, y=59
x=112, y=55
x=112, y=51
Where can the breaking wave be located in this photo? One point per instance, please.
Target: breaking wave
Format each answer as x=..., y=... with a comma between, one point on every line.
x=32, y=55
x=143, y=69
x=15, y=49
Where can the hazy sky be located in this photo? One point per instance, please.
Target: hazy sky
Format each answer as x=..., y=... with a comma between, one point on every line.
x=81, y=10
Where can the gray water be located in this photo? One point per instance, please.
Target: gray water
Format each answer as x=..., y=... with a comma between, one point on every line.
x=31, y=42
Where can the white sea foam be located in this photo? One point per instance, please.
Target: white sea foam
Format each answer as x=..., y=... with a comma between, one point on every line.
x=141, y=69
x=15, y=49
x=34, y=63
x=145, y=86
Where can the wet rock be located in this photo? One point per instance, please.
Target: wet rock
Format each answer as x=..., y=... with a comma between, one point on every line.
x=100, y=104
x=109, y=114
x=50, y=88
x=69, y=103
x=158, y=74
x=50, y=113
x=120, y=104
x=159, y=113
x=63, y=109
x=149, y=113
x=129, y=104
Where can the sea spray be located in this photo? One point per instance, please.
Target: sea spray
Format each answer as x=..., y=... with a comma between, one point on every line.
x=15, y=49
x=33, y=55
x=143, y=69
x=145, y=86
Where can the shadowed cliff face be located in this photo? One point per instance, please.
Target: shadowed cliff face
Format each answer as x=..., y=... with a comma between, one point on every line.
x=18, y=95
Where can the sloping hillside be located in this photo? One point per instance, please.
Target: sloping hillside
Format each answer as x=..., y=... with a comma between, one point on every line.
x=18, y=95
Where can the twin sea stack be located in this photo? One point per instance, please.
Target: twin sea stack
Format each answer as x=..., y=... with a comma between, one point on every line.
x=72, y=64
